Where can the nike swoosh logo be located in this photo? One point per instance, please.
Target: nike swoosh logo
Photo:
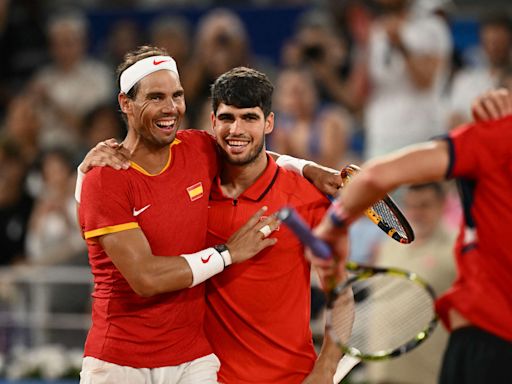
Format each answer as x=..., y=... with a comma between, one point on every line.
x=137, y=212
x=155, y=62
x=207, y=259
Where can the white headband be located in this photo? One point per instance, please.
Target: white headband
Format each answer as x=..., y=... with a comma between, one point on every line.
x=144, y=67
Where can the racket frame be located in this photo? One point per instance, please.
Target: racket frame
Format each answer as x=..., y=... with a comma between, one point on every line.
x=363, y=272
x=350, y=171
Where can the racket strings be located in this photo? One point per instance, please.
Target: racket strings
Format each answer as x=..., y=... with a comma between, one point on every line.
x=387, y=215
x=388, y=313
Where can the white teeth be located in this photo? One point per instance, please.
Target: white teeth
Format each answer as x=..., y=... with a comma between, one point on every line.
x=235, y=143
x=165, y=123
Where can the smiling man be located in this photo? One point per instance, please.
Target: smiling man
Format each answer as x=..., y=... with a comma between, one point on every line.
x=145, y=228
x=258, y=312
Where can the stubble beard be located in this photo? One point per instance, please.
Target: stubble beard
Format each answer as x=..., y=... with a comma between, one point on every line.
x=250, y=158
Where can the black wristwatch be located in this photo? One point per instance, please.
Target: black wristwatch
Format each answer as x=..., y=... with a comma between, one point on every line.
x=224, y=253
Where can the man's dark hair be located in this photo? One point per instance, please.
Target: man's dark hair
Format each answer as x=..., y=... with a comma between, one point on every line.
x=494, y=19
x=243, y=87
x=134, y=56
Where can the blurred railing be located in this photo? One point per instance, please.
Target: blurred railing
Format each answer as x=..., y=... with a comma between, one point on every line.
x=26, y=293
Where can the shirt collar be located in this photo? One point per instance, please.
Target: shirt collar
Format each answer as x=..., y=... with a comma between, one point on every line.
x=257, y=190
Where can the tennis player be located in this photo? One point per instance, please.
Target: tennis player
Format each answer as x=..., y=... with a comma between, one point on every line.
x=258, y=312
x=145, y=228
x=477, y=309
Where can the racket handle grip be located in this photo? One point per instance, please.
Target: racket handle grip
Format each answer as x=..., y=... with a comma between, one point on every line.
x=291, y=218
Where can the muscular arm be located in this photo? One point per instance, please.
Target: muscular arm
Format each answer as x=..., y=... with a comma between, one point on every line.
x=415, y=164
x=150, y=274
x=147, y=274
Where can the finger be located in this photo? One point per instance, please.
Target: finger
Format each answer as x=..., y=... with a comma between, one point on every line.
x=265, y=230
x=506, y=99
x=478, y=111
x=491, y=107
x=112, y=143
x=111, y=156
x=254, y=220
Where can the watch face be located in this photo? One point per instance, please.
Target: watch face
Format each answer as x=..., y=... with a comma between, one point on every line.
x=221, y=248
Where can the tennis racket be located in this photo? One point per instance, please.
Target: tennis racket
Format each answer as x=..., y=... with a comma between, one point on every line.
x=384, y=213
x=393, y=309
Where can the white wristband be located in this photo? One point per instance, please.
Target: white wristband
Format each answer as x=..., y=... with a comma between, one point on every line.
x=78, y=187
x=293, y=164
x=204, y=264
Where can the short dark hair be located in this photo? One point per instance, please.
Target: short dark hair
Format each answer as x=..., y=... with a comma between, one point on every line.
x=243, y=87
x=495, y=19
x=134, y=56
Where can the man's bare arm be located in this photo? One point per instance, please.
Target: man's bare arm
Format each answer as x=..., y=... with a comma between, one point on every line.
x=150, y=274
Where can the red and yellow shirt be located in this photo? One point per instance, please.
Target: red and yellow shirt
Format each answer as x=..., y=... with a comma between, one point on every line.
x=171, y=209
x=258, y=311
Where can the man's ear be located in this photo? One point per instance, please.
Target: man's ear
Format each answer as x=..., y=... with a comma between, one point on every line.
x=124, y=102
x=212, y=118
x=269, y=123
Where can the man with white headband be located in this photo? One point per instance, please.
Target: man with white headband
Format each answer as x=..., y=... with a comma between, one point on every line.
x=145, y=228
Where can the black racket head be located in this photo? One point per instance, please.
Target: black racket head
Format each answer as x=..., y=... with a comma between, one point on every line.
x=385, y=213
x=380, y=313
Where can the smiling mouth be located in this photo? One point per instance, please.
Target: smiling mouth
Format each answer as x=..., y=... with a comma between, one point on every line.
x=166, y=125
x=236, y=146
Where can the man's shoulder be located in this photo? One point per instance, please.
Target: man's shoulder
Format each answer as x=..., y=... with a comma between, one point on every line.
x=187, y=135
x=105, y=176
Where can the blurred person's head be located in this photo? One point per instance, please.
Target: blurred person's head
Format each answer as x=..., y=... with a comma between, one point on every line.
x=386, y=7
x=423, y=206
x=100, y=124
x=56, y=168
x=172, y=33
x=123, y=37
x=242, y=116
x=67, y=35
x=222, y=41
x=496, y=39
x=12, y=172
x=296, y=93
x=316, y=42
x=22, y=121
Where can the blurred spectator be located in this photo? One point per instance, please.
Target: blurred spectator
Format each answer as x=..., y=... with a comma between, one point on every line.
x=102, y=123
x=408, y=66
x=221, y=43
x=22, y=125
x=72, y=85
x=305, y=128
x=15, y=203
x=430, y=256
x=496, y=45
x=124, y=35
x=23, y=43
x=318, y=46
x=52, y=234
x=173, y=34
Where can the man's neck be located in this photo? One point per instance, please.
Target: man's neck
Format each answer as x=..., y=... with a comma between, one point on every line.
x=235, y=179
x=152, y=159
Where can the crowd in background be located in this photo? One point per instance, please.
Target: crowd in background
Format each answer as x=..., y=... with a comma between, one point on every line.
x=356, y=79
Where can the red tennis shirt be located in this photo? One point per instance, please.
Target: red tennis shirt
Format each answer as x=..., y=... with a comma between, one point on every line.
x=481, y=160
x=258, y=311
x=171, y=209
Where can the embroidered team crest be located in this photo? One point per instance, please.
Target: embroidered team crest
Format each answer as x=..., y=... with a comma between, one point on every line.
x=195, y=191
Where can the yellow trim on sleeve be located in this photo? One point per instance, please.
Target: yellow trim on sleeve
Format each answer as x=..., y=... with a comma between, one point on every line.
x=111, y=229
x=144, y=172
